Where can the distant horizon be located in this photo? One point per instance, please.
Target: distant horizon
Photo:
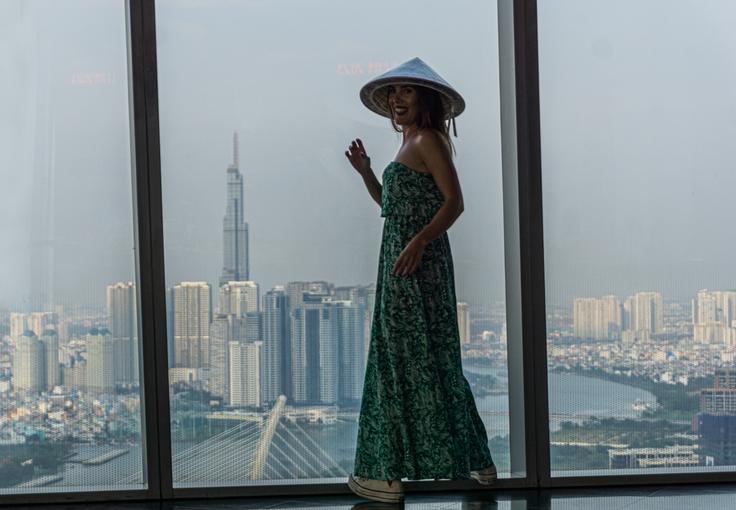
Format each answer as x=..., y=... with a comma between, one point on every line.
x=214, y=289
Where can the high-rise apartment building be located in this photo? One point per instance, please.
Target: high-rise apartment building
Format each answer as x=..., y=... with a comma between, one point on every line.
x=38, y=322
x=314, y=347
x=463, y=322
x=225, y=328
x=253, y=326
x=100, y=373
x=365, y=296
x=350, y=317
x=245, y=373
x=295, y=290
x=29, y=363
x=714, y=317
x=18, y=325
x=642, y=316
x=122, y=319
x=239, y=298
x=276, y=345
x=50, y=341
x=717, y=420
x=597, y=318
x=191, y=325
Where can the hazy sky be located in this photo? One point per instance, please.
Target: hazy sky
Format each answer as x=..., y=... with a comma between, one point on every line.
x=638, y=108
x=638, y=113
x=64, y=150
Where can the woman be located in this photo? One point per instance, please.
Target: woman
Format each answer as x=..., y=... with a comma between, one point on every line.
x=418, y=418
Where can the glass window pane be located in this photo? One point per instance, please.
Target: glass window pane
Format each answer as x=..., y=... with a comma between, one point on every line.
x=282, y=199
x=637, y=111
x=70, y=404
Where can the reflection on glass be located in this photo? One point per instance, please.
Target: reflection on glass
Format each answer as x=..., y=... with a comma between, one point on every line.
x=70, y=403
x=641, y=315
x=272, y=240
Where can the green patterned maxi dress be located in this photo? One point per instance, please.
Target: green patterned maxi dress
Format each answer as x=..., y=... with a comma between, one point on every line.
x=418, y=418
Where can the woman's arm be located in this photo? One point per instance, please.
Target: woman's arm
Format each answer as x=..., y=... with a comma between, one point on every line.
x=358, y=157
x=374, y=187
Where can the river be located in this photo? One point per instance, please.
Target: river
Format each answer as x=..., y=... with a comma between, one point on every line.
x=571, y=398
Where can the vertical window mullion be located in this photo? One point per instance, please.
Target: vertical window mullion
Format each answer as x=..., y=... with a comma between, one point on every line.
x=150, y=243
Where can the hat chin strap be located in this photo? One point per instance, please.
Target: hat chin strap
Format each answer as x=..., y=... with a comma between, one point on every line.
x=451, y=120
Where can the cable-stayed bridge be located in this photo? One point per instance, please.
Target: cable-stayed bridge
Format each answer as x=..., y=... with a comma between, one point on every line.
x=255, y=449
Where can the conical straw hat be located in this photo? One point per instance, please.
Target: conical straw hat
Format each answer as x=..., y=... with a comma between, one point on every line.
x=374, y=94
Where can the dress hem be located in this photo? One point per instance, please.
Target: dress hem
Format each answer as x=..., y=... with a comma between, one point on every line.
x=422, y=475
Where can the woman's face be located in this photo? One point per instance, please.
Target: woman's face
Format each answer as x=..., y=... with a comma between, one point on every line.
x=402, y=100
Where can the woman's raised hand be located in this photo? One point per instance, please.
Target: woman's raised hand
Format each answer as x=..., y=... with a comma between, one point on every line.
x=357, y=156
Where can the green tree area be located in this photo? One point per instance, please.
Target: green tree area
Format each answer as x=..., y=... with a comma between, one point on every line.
x=629, y=432
x=22, y=463
x=600, y=434
x=565, y=458
x=677, y=404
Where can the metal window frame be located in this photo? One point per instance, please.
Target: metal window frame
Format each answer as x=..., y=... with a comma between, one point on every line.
x=525, y=283
x=524, y=445
x=533, y=277
x=524, y=259
x=146, y=191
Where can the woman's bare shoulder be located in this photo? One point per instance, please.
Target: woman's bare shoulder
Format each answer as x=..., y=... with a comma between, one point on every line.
x=431, y=140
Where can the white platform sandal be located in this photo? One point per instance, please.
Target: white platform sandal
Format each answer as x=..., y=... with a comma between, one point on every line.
x=385, y=491
x=485, y=476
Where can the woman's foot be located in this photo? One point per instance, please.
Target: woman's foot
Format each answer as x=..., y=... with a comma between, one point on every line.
x=386, y=491
x=485, y=476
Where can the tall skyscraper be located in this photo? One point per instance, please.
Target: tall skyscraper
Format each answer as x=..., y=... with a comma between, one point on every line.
x=123, y=320
x=314, y=360
x=295, y=290
x=463, y=322
x=611, y=317
x=585, y=312
x=100, y=361
x=714, y=317
x=19, y=324
x=245, y=373
x=38, y=322
x=225, y=328
x=238, y=298
x=235, y=264
x=365, y=296
x=219, y=373
x=29, y=363
x=74, y=375
x=170, y=325
x=50, y=341
x=717, y=420
x=597, y=318
x=253, y=326
x=276, y=345
x=370, y=300
x=351, y=348
x=191, y=325
x=705, y=308
x=642, y=316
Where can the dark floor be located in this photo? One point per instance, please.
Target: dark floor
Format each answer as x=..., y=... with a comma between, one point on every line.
x=685, y=497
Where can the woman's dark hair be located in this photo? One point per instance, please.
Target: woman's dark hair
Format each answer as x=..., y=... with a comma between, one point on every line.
x=430, y=113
